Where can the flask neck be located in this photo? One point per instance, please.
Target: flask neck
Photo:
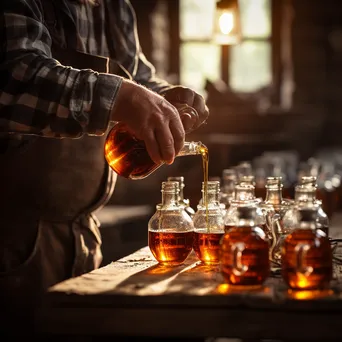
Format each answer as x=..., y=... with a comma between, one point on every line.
x=246, y=223
x=169, y=199
x=192, y=148
x=245, y=194
x=228, y=187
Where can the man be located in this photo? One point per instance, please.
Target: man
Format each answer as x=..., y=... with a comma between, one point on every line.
x=64, y=68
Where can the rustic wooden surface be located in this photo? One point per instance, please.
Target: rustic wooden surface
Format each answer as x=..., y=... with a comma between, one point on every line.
x=134, y=296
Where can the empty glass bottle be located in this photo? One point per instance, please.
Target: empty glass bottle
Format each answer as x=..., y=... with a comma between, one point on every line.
x=306, y=253
x=245, y=250
x=181, y=200
x=170, y=229
x=275, y=208
x=305, y=193
x=244, y=195
x=208, y=225
x=128, y=156
x=229, y=181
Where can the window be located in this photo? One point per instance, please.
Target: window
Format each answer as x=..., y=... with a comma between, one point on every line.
x=249, y=63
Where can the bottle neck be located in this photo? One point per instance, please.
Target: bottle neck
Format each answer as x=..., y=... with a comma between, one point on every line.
x=192, y=148
x=228, y=187
x=305, y=195
x=274, y=195
x=169, y=198
x=246, y=223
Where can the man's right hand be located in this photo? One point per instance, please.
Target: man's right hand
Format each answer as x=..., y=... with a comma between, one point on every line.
x=150, y=118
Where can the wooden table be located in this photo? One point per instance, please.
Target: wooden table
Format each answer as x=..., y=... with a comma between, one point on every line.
x=135, y=297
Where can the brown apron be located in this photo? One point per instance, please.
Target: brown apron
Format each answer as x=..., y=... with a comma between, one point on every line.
x=50, y=189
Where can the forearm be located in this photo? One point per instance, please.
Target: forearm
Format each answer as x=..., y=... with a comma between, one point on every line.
x=40, y=96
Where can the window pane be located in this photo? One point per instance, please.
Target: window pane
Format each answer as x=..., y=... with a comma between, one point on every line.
x=255, y=18
x=196, y=18
x=250, y=66
x=199, y=61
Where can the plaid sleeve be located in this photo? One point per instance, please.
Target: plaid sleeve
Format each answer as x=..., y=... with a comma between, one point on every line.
x=37, y=94
x=145, y=72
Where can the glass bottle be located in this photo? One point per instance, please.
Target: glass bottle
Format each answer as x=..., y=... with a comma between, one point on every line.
x=275, y=208
x=245, y=250
x=305, y=193
x=128, y=156
x=306, y=253
x=170, y=229
x=244, y=195
x=208, y=225
x=181, y=200
x=229, y=181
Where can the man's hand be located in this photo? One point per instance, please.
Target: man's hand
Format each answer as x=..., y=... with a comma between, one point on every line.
x=151, y=118
x=179, y=95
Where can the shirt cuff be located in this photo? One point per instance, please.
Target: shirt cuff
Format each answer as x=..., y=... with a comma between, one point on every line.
x=105, y=93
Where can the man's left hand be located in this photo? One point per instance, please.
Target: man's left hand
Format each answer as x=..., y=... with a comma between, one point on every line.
x=179, y=96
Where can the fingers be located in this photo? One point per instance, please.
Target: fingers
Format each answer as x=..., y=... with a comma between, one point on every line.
x=181, y=95
x=152, y=146
x=178, y=134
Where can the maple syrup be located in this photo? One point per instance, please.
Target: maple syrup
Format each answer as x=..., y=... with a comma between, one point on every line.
x=306, y=255
x=207, y=247
x=245, y=251
x=170, y=249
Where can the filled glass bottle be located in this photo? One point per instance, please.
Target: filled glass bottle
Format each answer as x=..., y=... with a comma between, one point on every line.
x=229, y=181
x=244, y=195
x=245, y=250
x=306, y=253
x=170, y=229
x=128, y=156
x=208, y=225
x=181, y=200
x=275, y=208
x=305, y=193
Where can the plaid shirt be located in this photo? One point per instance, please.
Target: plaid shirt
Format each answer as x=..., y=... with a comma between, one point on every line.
x=40, y=96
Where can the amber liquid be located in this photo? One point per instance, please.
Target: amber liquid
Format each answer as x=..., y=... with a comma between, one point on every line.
x=319, y=257
x=170, y=249
x=255, y=256
x=128, y=156
x=205, y=161
x=207, y=247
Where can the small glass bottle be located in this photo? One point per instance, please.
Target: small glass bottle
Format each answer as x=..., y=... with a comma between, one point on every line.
x=128, y=157
x=305, y=193
x=208, y=225
x=275, y=208
x=170, y=229
x=181, y=200
x=244, y=195
x=229, y=181
x=245, y=251
x=306, y=253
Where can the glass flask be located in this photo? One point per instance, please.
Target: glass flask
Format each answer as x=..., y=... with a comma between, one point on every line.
x=229, y=181
x=245, y=250
x=275, y=208
x=128, y=156
x=305, y=193
x=208, y=225
x=181, y=200
x=170, y=229
x=306, y=253
x=244, y=195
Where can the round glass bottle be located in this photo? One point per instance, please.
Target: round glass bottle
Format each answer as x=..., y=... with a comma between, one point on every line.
x=181, y=200
x=245, y=251
x=306, y=253
x=170, y=229
x=128, y=157
x=208, y=225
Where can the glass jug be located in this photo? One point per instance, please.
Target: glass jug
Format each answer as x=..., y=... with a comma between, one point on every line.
x=306, y=253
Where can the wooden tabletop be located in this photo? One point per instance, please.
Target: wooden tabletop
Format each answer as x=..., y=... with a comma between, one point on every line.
x=134, y=296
